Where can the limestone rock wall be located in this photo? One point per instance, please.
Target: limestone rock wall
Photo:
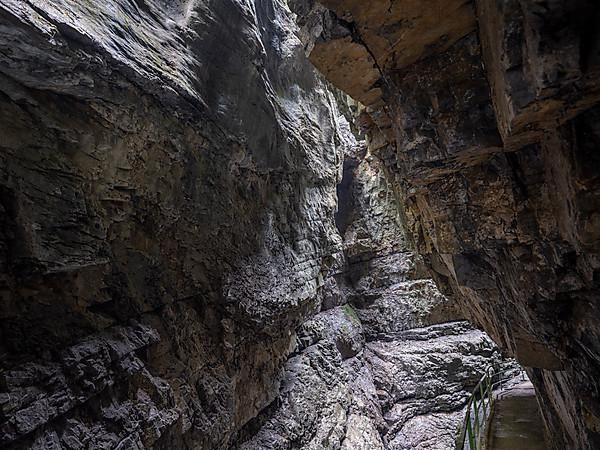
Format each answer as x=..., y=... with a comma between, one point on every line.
x=387, y=362
x=486, y=116
x=167, y=192
x=195, y=253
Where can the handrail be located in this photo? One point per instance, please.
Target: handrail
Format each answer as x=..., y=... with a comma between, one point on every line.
x=479, y=407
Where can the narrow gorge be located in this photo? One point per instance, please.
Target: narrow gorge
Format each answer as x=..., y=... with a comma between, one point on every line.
x=291, y=224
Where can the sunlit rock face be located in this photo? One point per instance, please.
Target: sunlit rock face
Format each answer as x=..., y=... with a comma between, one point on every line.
x=168, y=182
x=387, y=363
x=485, y=115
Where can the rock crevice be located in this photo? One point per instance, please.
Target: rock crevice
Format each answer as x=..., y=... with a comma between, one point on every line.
x=479, y=117
x=171, y=272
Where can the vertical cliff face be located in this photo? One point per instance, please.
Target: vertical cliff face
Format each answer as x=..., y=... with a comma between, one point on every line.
x=387, y=362
x=196, y=253
x=167, y=191
x=486, y=117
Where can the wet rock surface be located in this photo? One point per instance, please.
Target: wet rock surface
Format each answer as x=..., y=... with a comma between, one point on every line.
x=380, y=366
x=195, y=252
x=517, y=422
x=488, y=127
x=167, y=191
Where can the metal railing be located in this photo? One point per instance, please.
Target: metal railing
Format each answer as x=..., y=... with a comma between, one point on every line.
x=480, y=405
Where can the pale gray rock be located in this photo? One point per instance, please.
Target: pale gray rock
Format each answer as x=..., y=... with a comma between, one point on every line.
x=361, y=434
x=380, y=363
x=433, y=431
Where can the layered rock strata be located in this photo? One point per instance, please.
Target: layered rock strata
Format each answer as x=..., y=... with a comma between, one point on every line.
x=486, y=116
x=387, y=363
x=171, y=273
x=167, y=192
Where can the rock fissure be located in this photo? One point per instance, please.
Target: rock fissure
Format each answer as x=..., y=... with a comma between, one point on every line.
x=477, y=139
x=204, y=244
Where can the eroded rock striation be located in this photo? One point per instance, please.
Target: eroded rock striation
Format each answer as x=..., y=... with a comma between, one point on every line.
x=194, y=250
x=388, y=362
x=167, y=192
x=485, y=115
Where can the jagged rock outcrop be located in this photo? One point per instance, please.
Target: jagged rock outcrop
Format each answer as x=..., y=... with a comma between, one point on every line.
x=385, y=364
x=171, y=274
x=486, y=116
x=167, y=191
x=420, y=361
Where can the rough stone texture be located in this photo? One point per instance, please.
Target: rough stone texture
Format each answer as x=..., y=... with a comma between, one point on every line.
x=423, y=380
x=171, y=274
x=167, y=191
x=490, y=137
x=375, y=368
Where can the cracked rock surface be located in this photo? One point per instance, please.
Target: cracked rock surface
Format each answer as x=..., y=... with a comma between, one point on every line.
x=486, y=115
x=195, y=253
x=387, y=363
x=167, y=191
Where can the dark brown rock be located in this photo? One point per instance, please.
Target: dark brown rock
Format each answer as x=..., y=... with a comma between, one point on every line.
x=490, y=140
